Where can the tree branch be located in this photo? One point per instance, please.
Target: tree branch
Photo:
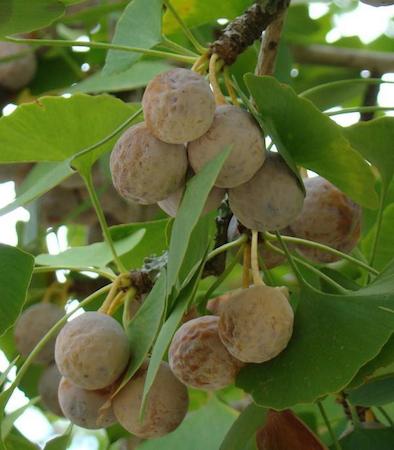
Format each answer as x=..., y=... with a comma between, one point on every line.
x=381, y=62
x=269, y=46
x=370, y=98
x=244, y=30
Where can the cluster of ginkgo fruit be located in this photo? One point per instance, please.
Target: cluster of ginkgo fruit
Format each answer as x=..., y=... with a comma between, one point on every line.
x=183, y=130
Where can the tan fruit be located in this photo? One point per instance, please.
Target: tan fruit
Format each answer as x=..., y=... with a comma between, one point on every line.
x=256, y=324
x=328, y=217
x=123, y=211
x=198, y=358
x=32, y=326
x=48, y=387
x=165, y=409
x=145, y=169
x=271, y=200
x=232, y=126
x=178, y=106
x=85, y=408
x=92, y=351
x=171, y=204
x=216, y=304
x=270, y=258
x=16, y=73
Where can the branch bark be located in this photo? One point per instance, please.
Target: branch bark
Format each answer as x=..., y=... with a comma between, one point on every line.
x=370, y=98
x=269, y=46
x=245, y=29
x=381, y=62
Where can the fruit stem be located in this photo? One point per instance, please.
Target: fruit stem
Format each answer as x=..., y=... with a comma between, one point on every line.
x=223, y=276
x=293, y=265
x=200, y=63
x=119, y=286
x=213, y=69
x=379, y=222
x=322, y=275
x=102, y=220
x=107, y=138
x=178, y=48
x=223, y=248
x=119, y=300
x=229, y=86
x=5, y=395
x=257, y=280
x=326, y=248
x=246, y=267
x=335, y=441
x=102, y=273
x=129, y=297
x=105, y=46
x=200, y=48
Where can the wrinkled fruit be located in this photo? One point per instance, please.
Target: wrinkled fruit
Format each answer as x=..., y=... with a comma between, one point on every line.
x=256, y=324
x=178, y=106
x=85, y=408
x=271, y=200
x=48, y=387
x=145, y=169
x=32, y=326
x=165, y=409
x=198, y=358
x=328, y=217
x=92, y=350
x=232, y=127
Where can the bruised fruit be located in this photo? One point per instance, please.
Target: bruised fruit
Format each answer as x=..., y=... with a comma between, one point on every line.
x=32, y=326
x=328, y=217
x=87, y=409
x=232, y=127
x=256, y=324
x=198, y=358
x=271, y=200
x=48, y=387
x=17, y=72
x=92, y=350
x=145, y=169
x=171, y=204
x=269, y=257
x=178, y=106
x=165, y=408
